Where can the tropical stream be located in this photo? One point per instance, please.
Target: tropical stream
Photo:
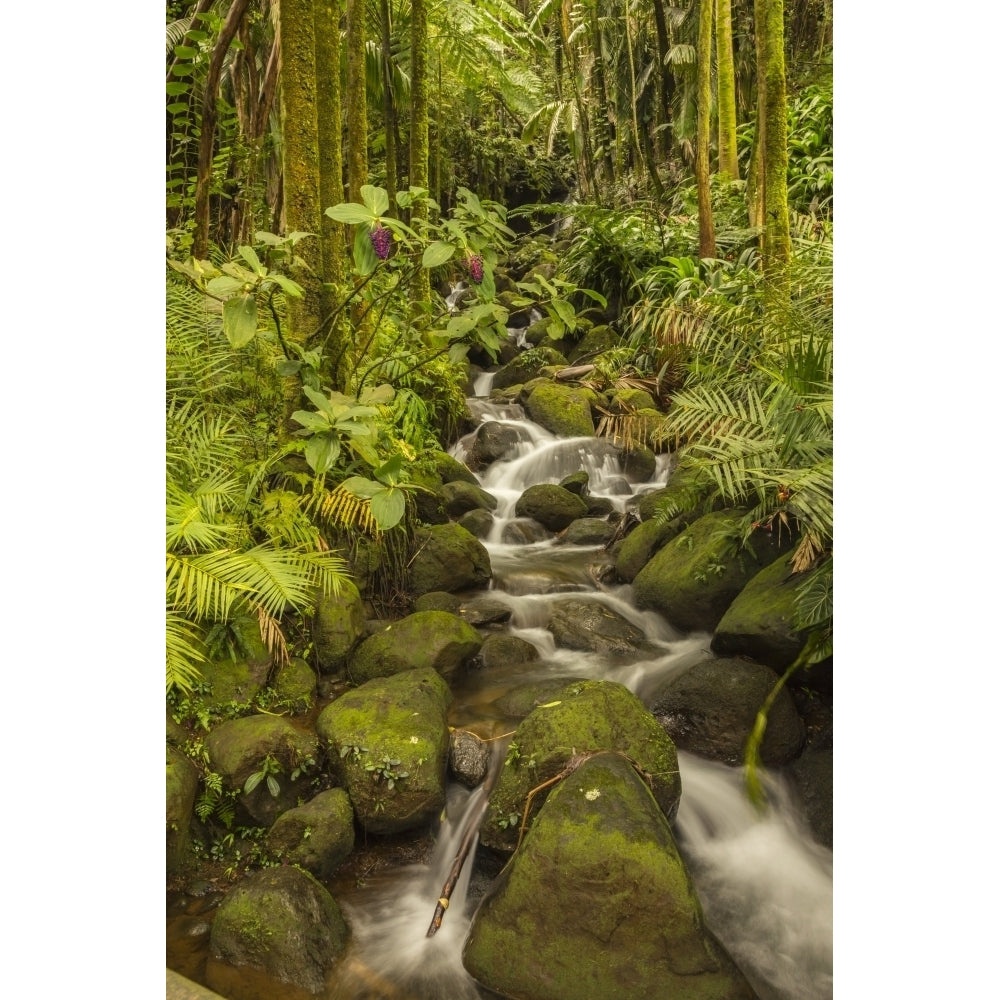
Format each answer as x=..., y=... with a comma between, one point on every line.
x=764, y=883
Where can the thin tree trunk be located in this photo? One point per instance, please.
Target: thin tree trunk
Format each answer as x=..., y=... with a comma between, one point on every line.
x=729, y=164
x=777, y=240
x=209, y=115
x=756, y=178
x=419, y=138
x=602, y=127
x=357, y=101
x=706, y=226
x=388, y=102
x=664, y=78
x=636, y=138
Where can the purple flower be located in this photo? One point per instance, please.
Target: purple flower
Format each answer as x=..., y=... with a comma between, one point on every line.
x=381, y=239
x=474, y=262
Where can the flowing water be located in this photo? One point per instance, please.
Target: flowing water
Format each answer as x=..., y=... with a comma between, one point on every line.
x=764, y=883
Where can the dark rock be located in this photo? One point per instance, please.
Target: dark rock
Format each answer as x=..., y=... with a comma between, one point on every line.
x=468, y=758
x=812, y=778
x=477, y=522
x=459, y=498
x=576, y=482
x=182, y=788
x=485, y=611
x=503, y=649
x=447, y=557
x=318, y=835
x=551, y=506
x=337, y=627
x=295, y=685
x=593, y=627
x=589, y=531
x=451, y=470
x=494, y=442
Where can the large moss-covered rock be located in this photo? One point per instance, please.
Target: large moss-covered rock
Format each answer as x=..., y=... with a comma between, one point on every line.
x=337, y=627
x=596, y=340
x=239, y=748
x=436, y=639
x=711, y=709
x=392, y=729
x=236, y=682
x=447, y=557
x=501, y=649
x=597, y=903
x=694, y=578
x=643, y=541
x=589, y=531
x=318, y=835
x=495, y=441
x=182, y=787
x=284, y=923
x=295, y=685
x=561, y=409
x=450, y=469
x=459, y=498
x=593, y=627
x=686, y=487
x=583, y=716
x=551, y=506
x=526, y=366
x=758, y=623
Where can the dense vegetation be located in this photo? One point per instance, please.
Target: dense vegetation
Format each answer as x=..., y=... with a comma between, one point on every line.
x=333, y=168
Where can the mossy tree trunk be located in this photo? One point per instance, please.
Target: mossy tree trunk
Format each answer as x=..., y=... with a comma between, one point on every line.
x=777, y=240
x=726, y=84
x=755, y=175
x=357, y=101
x=388, y=101
x=665, y=79
x=301, y=170
x=706, y=226
x=419, y=138
x=328, y=14
x=602, y=127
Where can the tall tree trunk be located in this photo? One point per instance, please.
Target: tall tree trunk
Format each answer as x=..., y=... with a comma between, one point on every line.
x=706, y=226
x=357, y=101
x=633, y=99
x=665, y=80
x=209, y=116
x=729, y=164
x=589, y=174
x=777, y=240
x=388, y=102
x=331, y=175
x=602, y=127
x=419, y=150
x=301, y=170
x=755, y=176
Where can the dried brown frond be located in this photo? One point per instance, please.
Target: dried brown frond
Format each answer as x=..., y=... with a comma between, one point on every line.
x=809, y=549
x=272, y=637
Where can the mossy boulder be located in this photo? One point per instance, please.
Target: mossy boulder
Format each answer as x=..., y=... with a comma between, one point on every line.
x=437, y=600
x=650, y=426
x=460, y=498
x=447, y=557
x=577, y=482
x=182, y=788
x=561, y=409
x=589, y=531
x=550, y=505
x=239, y=748
x=501, y=649
x=643, y=542
x=282, y=922
x=522, y=700
x=337, y=627
x=526, y=366
x=582, y=716
x=237, y=681
x=711, y=708
x=318, y=835
x=758, y=623
x=450, y=469
x=694, y=578
x=593, y=627
x=628, y=400
x=686, y=487
x=477, y=522
x=295, y=685
x=638, y=463
x=436, y=639
x=494, y=442
x=597, y=903
x=388, y=744
x=596, y=340
x=428, y=500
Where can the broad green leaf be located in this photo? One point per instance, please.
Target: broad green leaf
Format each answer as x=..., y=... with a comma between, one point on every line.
x=311, y=421
x=178, y=88
x=365, y=260
x=487, y=287
x=361, y=487
x=177, y=107
x=268, y=238
x=224, y=286
x=457, y=353
x=288, y=286
x=399, y=227
x=250, y=256
x=377, y=395
x=294, y=238
x=555, y=329
x=239, y=319
x=596, y=296
x=321, y=401
x=288, y=368
x=566, y=312
x=238, y=271
x=185, y=52
x=389, y=471
x=272, y=785
x=459, y=326
x=375, y=198
x=322, y=451
x=351, y=213
x=253, y=781
x=437, y=253
x=388, y=508
x=197, y=35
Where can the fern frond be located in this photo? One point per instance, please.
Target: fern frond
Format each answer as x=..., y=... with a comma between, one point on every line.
x=183, y=654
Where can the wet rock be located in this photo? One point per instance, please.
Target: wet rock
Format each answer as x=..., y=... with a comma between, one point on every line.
x=239, y=680
x=582, y=716
x=494, y=442
x=337, y=627
x=561, y=409
x=685, y=490
x=428, y=501
x=182, y=788
x=551, y=506
x=391, y=730
x=447, y=557
x=436, y=639
x=295, y=685
x=526, y=366
x=284, y=923
x=459, y=498
x=485, y=611
x=503, y=650
x=576, y=482
x=239, y=748
x=318, y=835
x=589, y=531
x=524, y=531
x=711, y=709
x=525, y=698
x=468, y=758
x=595, y=628
x=437, y=600
x=639, y=463
x=694, y=578
x=758, y=623
x=812, y=778
x=599, y=506
x=477, y=522
x=598, y=903
x=643, y=542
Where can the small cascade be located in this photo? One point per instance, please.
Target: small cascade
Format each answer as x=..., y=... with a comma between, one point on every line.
x=454, y=295
x=483, y=383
